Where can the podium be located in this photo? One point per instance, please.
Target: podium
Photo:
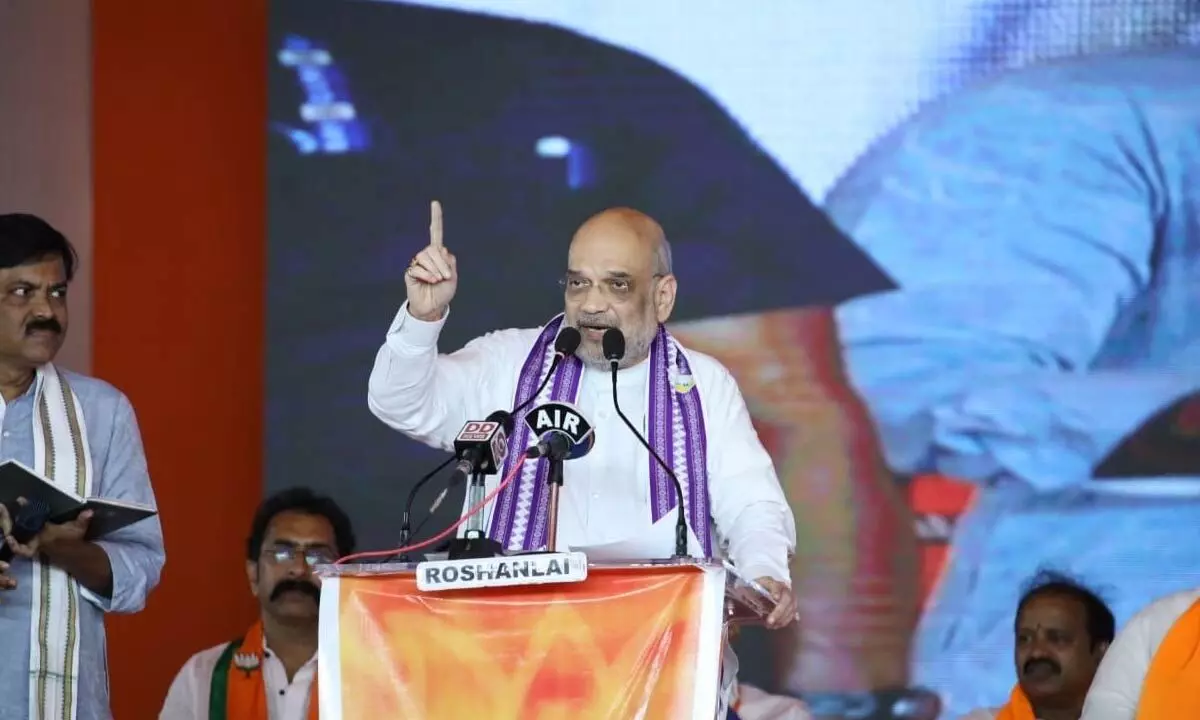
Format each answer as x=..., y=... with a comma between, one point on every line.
x=631, y=640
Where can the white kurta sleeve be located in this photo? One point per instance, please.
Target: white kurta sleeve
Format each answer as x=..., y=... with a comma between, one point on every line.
x=429, y=396
x=187, y=698
x=1117, y=687
x=748, y=505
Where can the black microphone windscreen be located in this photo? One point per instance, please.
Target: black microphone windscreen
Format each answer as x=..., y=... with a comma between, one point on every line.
x=613, y=344
x=505, y=419
x=567, y=341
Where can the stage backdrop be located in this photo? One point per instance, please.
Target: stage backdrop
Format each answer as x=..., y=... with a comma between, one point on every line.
x=733, y=128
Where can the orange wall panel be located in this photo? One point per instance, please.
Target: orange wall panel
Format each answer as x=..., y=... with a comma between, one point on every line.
x=179, y=122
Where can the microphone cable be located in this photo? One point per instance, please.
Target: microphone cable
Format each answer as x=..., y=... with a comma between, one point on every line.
x=370, y=554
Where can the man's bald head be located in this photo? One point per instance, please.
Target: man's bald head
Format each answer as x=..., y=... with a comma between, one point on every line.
x=619, y=275
x=631, y=230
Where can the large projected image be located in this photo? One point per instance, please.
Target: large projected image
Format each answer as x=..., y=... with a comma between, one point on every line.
x=1044, y=339
x=806, y=155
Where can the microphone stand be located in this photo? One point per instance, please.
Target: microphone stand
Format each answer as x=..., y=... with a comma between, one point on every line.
x=475, y=543
x=555, y=480
x=406, y=518
x=476, y=491
x=681, y=523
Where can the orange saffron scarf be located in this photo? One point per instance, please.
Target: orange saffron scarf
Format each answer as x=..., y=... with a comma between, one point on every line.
x=1171, y=690
x=1018, y=707
x=238, y=690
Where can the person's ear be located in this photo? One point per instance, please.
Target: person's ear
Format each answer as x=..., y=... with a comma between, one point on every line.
x=664, y=297
x=252, y=577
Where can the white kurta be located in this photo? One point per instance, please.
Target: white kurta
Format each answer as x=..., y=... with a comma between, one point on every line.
x=190, y=690
x=606, y=494
x=1117, y=687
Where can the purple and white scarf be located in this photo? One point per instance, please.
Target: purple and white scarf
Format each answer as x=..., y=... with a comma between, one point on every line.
x=676, y=432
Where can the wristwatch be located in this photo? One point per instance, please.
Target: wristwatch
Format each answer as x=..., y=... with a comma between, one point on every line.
x=897, y=704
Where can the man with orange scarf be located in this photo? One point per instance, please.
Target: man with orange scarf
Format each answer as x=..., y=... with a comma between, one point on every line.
x=270, y=673
x=1152, y=670
x=1061, y=633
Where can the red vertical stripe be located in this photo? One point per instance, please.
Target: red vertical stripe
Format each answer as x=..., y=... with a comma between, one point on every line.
x=179, y=116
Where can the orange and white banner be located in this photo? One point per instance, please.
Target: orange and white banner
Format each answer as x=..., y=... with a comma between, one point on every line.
x=625, y=643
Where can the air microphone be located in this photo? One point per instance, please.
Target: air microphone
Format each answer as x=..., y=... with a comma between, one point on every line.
x=563, y=434
x=613, y=345
x=565, y=344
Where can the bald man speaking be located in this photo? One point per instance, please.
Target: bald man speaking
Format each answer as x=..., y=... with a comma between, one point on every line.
x=618, y=276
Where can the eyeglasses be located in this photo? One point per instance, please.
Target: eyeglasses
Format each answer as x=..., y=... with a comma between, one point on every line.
x=617, y=288
x=283, y=554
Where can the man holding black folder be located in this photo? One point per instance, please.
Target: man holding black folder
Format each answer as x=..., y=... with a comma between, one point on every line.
x=80, y=434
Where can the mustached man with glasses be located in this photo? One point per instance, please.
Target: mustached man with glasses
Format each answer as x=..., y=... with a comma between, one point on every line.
x=271, y=671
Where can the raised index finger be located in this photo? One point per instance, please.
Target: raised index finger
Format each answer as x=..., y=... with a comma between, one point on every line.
x=435, y=223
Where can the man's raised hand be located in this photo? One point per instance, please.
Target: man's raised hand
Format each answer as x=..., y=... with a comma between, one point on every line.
x=432, y=277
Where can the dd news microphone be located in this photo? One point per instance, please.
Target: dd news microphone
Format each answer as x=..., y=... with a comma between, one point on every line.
x=481, y=446
x=462, y=470
x=613, y=345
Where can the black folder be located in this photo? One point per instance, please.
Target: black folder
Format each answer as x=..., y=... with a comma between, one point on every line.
x=108, y=515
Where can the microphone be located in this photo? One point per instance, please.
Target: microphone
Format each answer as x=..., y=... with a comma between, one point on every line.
x=406, y=518
x=565, y=345
x=613, y=346
x=482, y=446
x=563, y=433
x=478, y=445
x=488, y=458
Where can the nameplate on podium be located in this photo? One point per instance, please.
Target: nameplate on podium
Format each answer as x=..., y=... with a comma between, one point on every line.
x=476, y=573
